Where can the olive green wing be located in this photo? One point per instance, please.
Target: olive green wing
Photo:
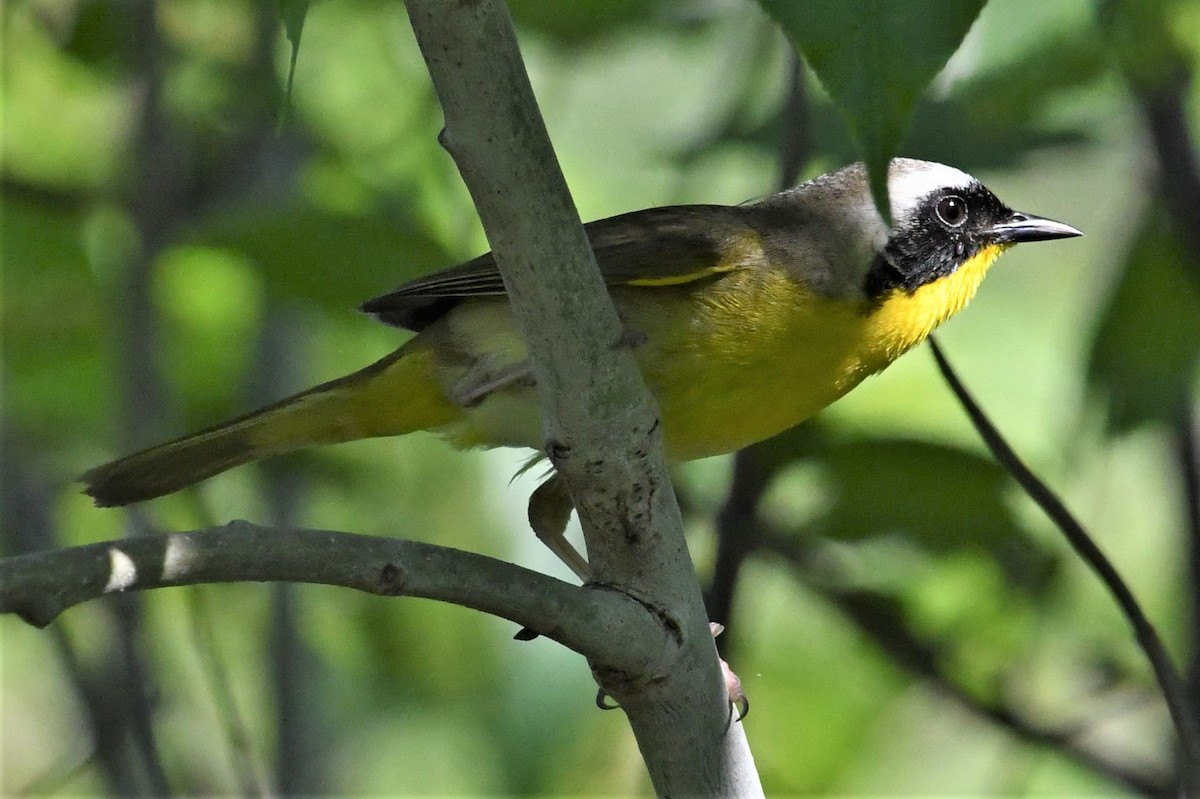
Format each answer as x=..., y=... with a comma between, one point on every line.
x=656, y=247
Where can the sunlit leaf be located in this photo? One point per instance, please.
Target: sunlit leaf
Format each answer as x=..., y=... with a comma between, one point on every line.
x=874, y=58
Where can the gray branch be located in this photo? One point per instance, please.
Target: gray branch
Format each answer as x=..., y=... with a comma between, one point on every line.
x=601, y=427
x=604, y=625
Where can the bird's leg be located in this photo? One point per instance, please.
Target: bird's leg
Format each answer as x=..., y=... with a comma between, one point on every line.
x=550, y=505
x=733, y=685
x=479, y=382
x=550, y=509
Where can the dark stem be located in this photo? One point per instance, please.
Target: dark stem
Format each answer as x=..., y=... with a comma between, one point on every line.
x=795, y=148
x=737, y=520
x=298, y=753
x=155, y=207
x=737, y=527
x=1183, y=714
x=28, y=527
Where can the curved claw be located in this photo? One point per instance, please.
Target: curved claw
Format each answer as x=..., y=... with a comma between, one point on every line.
x=737, y=697
x=602, y=701
x=733, y=685
x=525, y=634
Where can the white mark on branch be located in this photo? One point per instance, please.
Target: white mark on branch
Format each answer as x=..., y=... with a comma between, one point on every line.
x=122, y=573
x=177, y=559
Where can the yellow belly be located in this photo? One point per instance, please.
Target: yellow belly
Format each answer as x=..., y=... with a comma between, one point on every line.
x=760, y=354
x=753, y=360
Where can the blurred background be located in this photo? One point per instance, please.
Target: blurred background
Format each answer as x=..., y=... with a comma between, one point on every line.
x=903, y=620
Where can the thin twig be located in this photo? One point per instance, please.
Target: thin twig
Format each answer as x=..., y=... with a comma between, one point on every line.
x=1184, y=717
x=246, y=770
x=27, y=525
x=1165, y=110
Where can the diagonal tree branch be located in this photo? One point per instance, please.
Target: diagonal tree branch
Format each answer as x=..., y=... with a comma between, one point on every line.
x=601, y=427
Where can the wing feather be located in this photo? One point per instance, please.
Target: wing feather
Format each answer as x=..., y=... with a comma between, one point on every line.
x=656, y=247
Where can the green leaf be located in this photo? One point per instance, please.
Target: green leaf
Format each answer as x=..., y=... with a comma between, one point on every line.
x=53, y=316
x=944, y=498
x=292, y=13
x=874, y=57
x=102, y=33
x=1147, y=348
x=999, y=113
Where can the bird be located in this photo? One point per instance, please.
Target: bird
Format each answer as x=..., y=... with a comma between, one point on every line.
x=745, y=320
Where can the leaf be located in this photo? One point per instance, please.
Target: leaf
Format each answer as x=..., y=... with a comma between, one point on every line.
x=874, y=57
x=52, y=313
x=945, y=498
x=292, y=14
x=999, y=114
x=1147, y=347
x=103, y=33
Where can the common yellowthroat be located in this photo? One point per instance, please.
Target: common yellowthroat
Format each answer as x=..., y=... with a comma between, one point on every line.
x=747, y=320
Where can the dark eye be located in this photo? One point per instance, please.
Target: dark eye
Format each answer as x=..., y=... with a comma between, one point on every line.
x=952, y=210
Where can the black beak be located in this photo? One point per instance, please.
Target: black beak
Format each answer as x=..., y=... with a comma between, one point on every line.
x=1026, y=227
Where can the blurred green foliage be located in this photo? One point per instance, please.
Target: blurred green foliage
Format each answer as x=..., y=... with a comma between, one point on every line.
x=1085, y=352
x=1146, y=371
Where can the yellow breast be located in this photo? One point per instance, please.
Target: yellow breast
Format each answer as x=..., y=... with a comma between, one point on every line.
x=756, y=353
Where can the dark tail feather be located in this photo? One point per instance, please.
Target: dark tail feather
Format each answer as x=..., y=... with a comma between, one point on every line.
x=393, y=396
x=169, y=467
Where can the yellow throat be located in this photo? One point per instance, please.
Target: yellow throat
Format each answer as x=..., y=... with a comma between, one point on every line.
x=780, y=354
